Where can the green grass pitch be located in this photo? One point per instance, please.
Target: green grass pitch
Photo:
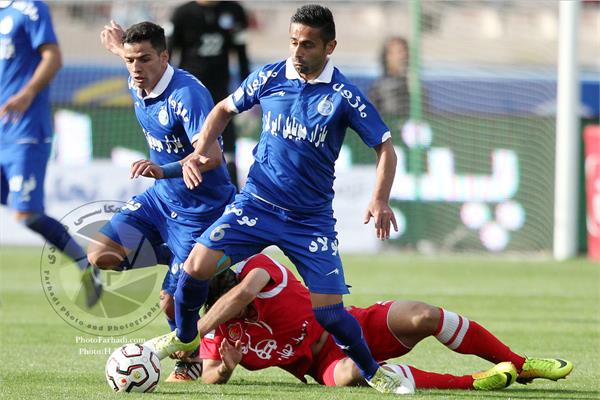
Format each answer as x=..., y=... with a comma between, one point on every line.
x=539, y=308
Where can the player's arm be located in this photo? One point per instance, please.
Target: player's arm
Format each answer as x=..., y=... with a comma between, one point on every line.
x=379, y=207
x=219, y=371
x=50, y=63
x=215, y=123
x=235, y=301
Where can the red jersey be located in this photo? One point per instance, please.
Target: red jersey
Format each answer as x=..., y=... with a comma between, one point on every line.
x=282, y=330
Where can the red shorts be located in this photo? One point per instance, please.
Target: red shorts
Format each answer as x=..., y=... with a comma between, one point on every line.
x=381, y=341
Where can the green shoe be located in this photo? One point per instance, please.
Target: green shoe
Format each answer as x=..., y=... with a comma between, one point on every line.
x=546, y=368
x=499, y=377
x=168, y=344
x=386, y=381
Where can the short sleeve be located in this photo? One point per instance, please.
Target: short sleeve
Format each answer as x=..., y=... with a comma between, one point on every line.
x=209, y=347
x=248, y=93
x=194, y=102
x=364, y=118
x=277, y=272
x=39, y=27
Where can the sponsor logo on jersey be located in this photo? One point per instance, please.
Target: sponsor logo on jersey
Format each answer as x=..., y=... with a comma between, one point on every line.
x=354, y=101
x=28, y=8
x=292, y=129
x=6, y=25
x=180, y=109
x=251, y=87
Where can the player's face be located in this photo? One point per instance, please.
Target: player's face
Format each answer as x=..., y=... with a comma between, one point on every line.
x=146, y=66
x=308, y=50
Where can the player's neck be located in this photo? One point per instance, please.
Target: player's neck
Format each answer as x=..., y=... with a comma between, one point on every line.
x=313, y=75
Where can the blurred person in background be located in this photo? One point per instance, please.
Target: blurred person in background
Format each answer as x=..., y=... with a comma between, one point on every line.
x=390, y=94
x=204, y=33
x=263, y=292
x=29, y=58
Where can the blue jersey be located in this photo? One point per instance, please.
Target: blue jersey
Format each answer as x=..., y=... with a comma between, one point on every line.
x=24, y=27
x=304, y=124
x=171, y=116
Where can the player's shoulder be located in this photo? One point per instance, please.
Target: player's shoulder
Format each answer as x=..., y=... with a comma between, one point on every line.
x=259, y=260
x=339, y=80
x=185, y=84
x=253, y=262
x=272, y=68
x=33, y=10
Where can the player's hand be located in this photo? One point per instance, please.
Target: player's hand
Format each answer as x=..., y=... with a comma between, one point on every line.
x=16, y=105
x=383, y=215
x=146, y=168
x=191, y=170
x=231, y=355
x=111, y=38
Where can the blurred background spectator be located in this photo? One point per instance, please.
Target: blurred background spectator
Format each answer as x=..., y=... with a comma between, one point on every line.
x=390, y=93
x=203, y=34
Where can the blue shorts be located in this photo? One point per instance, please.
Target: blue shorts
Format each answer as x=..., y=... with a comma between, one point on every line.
x=22, y=174
x=147, y=218
x=249, y=225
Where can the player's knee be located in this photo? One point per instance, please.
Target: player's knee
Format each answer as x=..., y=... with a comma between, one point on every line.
x=23, y=216
x=104, y=257
x=424, y=317
x=346, y=373
x=202, y=263
x=167, y=304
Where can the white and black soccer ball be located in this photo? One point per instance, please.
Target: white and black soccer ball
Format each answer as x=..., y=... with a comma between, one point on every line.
x=133, y=368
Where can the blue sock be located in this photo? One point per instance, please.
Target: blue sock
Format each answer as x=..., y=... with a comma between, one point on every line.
x=56, y=234
x=347, y=334
x=190, y=295
x=142, y=258
x=172, y=324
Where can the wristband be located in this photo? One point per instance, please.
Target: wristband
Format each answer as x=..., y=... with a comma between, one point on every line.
x=172, y=170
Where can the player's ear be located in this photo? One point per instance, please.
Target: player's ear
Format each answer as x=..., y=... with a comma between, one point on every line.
x=330, y=46
x=164, y=56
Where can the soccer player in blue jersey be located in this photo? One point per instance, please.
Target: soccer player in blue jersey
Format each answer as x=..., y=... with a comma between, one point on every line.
x=307, y=105
x=29, y=59
x=171, y=106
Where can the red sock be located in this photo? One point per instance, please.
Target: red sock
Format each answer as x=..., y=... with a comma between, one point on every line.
x=468, y=337
x=432, y=380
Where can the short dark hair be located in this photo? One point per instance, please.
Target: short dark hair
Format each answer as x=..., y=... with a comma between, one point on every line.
x=219, y=285
x=316, y=16
x=149, y=31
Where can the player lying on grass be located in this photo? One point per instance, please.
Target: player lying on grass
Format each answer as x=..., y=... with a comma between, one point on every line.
x=261, y=318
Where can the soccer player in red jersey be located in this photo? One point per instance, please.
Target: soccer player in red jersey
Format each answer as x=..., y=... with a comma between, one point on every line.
x=263, y=320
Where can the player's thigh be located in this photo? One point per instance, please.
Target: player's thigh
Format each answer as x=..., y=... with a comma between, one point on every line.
x=378, y=332
x=137, y=225
x=412, y=321
x=311, y=244
x=25, y=172
x=244, y=229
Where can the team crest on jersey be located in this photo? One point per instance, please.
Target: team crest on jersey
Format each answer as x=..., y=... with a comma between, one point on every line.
x=325, y=107
x=235, y=331
x=6, y=25
x=163, y=116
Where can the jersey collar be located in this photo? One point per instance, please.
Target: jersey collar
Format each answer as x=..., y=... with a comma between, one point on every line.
x=324, y=77
x=161, y=86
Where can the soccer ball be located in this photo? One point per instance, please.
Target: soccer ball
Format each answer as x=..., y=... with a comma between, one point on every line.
x=133, y=368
